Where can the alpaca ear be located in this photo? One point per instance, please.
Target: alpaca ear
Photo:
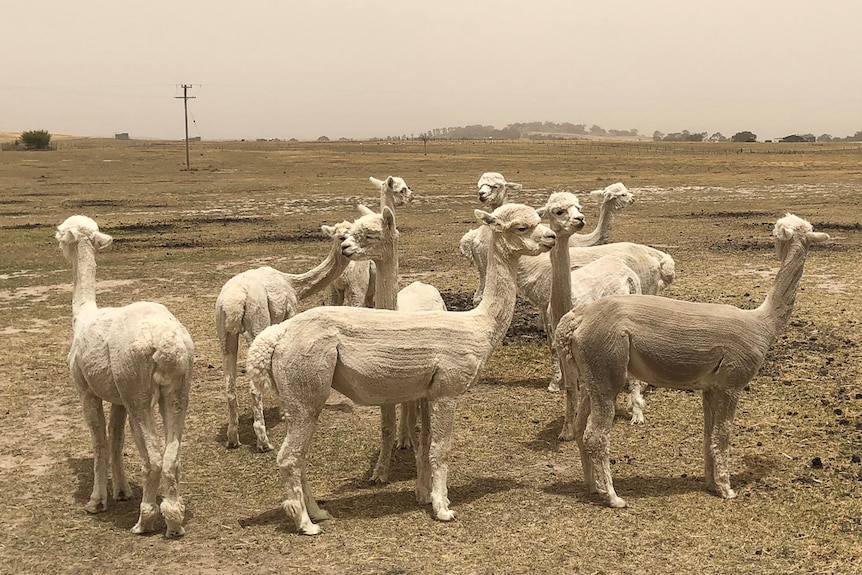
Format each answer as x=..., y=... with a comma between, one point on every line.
x=101, y=241
x=542, y=211
x=66, y=236
x=377, y=183
x=817, y=237
x=390, y=182
x=364, y=210
x=782, y=233
x=328, y=230
x=513, y=186
x=485, y=217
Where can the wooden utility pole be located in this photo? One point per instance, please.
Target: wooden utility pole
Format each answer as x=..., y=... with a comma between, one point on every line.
x=186, y=99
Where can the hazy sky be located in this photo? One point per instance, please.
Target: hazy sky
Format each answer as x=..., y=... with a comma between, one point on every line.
x=366, y=68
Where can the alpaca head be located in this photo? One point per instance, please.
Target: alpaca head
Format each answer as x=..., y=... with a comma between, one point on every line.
x=396, y=187
x=338, y=233
x=372, y=236
x=563, y=211
x=793, y=230
x=518, y=229
x=493, y=189
x=79, y=229
x=616, y=196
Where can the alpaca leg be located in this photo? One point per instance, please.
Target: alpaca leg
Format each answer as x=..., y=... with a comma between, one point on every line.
x=301, y=424
x=422, y=449
x=387, y=441
x=719, y=411
x=597, y=439
x=636, y=401
x=583, y=413
x=230, y=348
x=556, y=383
x=94, y=417
x=442, y=423
x=571, y=388
x=407, y=431
x=314, y=512
x=259, y=425
x=144, y=433
x=173, y=415
x=116, y=439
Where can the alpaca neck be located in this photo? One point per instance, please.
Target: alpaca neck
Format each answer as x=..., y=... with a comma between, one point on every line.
x=561, y=280
x=498, y=299
x=602, y=232
x=778, y=304
x=387, y=200
x=83, y=278
x=386, y=278
x=314, y=280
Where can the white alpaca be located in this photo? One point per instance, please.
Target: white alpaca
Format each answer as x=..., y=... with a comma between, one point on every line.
x=356, y=285
x=613, y=198
x=608, y=275
x=255, y=299
x=379, y=357
x=136, y=357
x=493, y=192
x=714, y=348
x=654, y=268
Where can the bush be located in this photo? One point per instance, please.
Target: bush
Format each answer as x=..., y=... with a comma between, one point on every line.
x=36, y=139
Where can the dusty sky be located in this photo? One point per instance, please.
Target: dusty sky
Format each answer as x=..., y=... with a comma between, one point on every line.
x=372, y=68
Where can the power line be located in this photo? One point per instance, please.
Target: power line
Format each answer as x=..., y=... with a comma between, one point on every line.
x=186, y=99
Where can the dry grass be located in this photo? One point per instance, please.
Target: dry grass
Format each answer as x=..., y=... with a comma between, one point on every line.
x=518, y=491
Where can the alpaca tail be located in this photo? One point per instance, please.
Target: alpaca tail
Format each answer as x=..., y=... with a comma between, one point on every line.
x=667, y=270
x=174, y=355
x=229, y=312
x=564, y=333
x=258, y=363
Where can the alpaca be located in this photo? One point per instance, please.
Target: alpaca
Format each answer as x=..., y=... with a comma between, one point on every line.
x=417, y=296
x=256, y=298
x=613, y=199
x=135, y=357
x=356, y=285
x=605, y=276
x=379, y=357
x=714, y=348
x=494, y=192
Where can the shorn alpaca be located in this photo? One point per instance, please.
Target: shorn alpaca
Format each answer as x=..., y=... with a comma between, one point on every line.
x=379, y=357
x=714, y=348
x=613, y=199
x=356, y=285
x=605, y=276
x=493, y=190
x=135, y=357
x=255, y=299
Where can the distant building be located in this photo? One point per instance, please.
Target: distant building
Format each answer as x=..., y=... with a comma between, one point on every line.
x=121, y=136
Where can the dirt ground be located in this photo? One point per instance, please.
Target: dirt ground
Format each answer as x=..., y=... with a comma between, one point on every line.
x=521, y=503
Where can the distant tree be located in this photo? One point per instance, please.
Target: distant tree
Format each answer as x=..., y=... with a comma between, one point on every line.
x=36, y=139
x=597, y=130
x=657, y=136
x=824, y=138
x=425, y=136
x=322, y=139
x=744, y=137
x=717, y=137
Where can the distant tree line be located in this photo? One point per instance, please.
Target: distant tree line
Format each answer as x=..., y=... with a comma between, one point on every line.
x=534, y=130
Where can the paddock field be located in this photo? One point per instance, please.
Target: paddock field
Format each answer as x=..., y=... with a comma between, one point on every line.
x=521, y=503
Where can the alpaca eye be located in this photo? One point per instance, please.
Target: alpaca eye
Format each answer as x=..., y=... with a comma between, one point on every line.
x=560, y=212
x=523, y=229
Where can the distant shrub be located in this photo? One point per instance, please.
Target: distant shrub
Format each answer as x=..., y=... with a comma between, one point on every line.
x=36, y=139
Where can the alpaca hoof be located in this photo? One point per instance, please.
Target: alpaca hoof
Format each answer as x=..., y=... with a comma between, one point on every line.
x=423, y=497
x=617, y=502
x=123, y=494
x=233, y=444
x=310, y=529
x=726, y=492
x=140, y=529
x=637, y=419
x=95, y=506
x=320, y=515
x=404, y=444
x=264, y=447
x=554, y=387
x=175, y=533
x=566, y=435
x=445, y=515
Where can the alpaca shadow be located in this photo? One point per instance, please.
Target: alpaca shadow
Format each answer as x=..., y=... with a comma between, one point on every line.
x=123, y=515
x=642, y=487
x=271, y=415
x=524, y=383
x=377, y=504
x=547, y=440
